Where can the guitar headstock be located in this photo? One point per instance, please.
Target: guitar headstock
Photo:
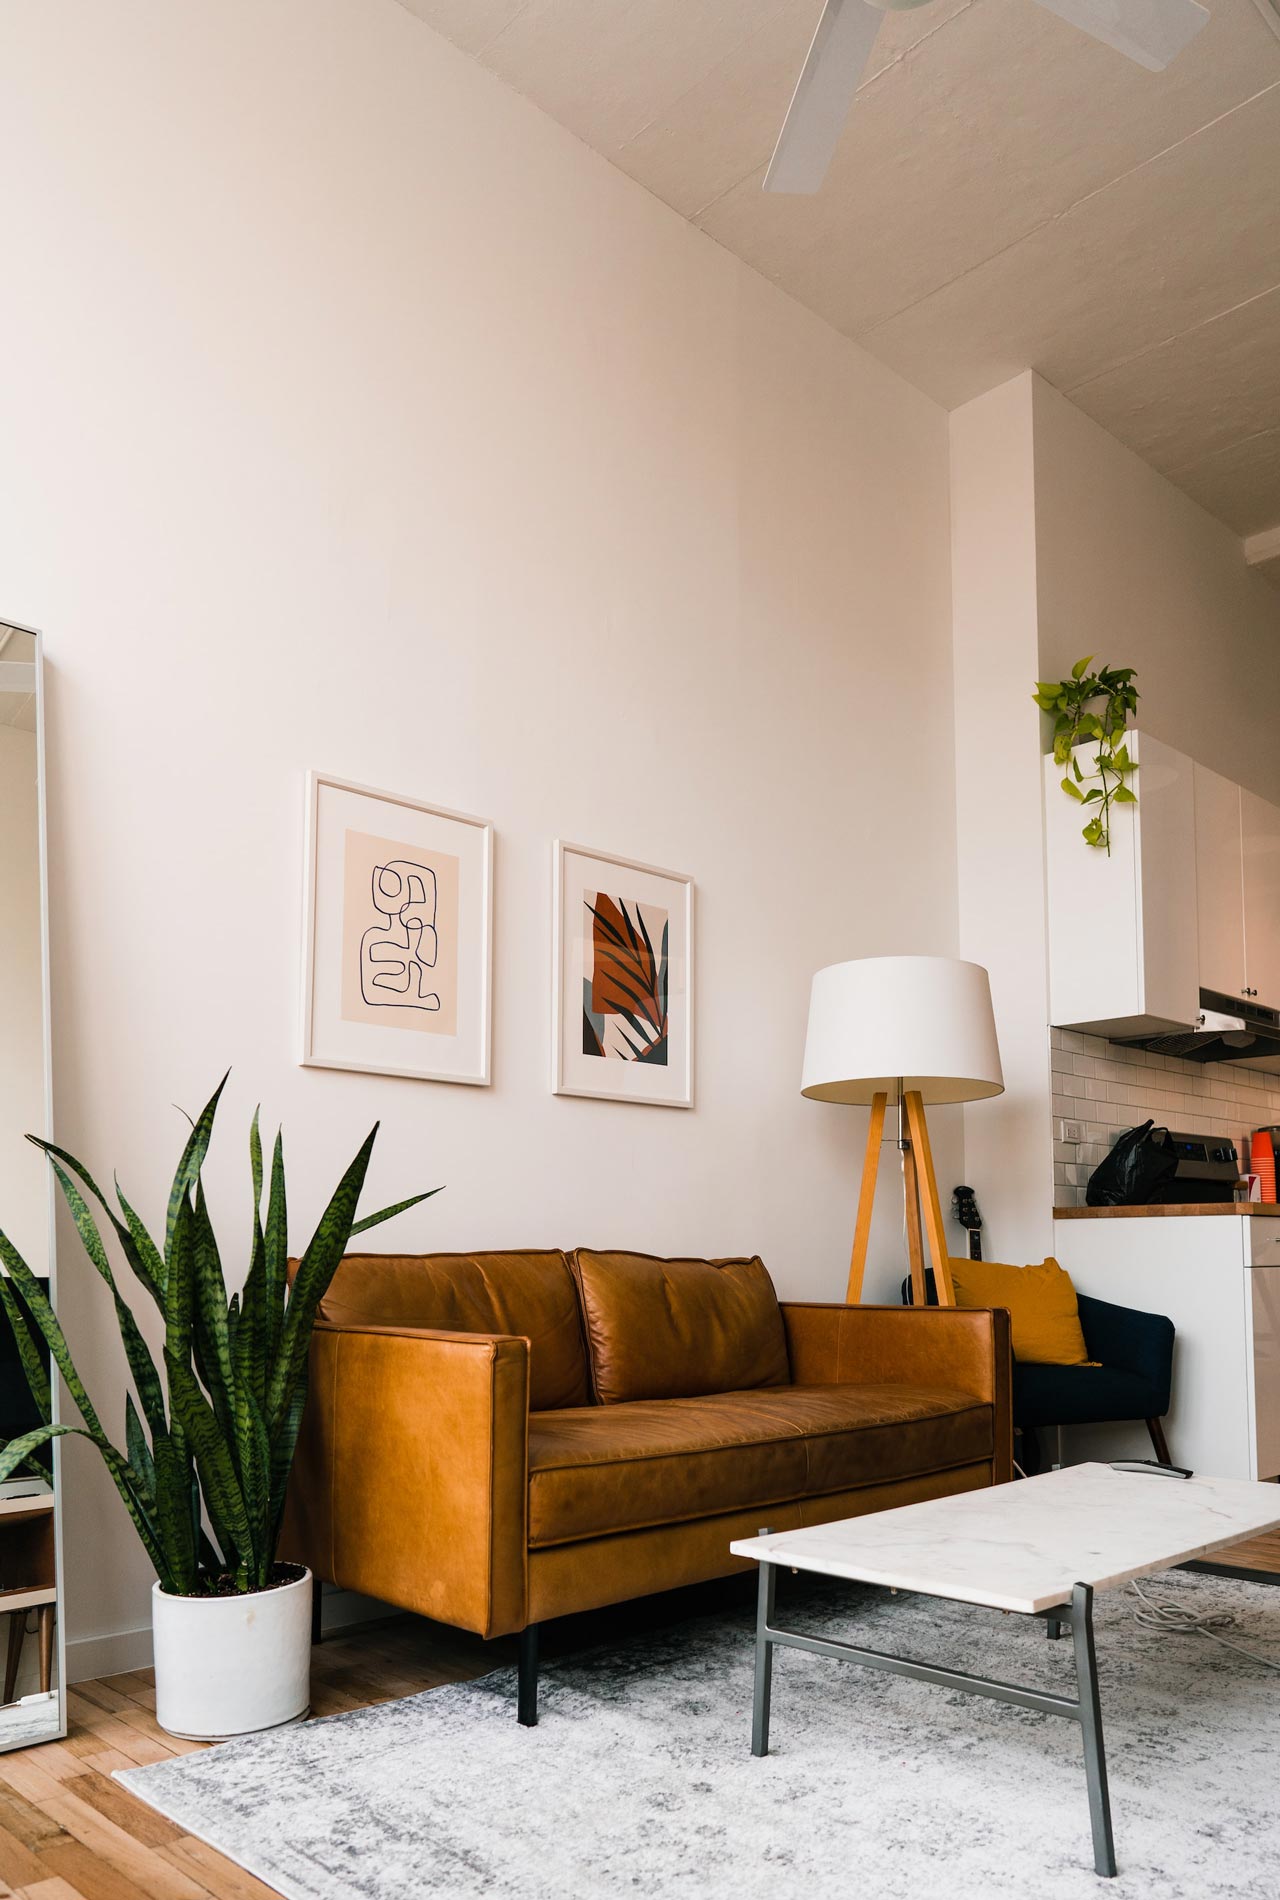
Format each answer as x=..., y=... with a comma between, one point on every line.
x=964, y=1209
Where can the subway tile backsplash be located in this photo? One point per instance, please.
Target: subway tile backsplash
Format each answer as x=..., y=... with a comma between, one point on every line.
x=1110, y=1089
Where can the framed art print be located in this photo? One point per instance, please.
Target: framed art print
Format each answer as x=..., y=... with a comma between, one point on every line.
x=397, y=935
x=622, y=1026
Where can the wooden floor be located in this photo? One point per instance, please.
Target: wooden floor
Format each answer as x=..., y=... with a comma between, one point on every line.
x=1262, y=1554
x=69, y=1832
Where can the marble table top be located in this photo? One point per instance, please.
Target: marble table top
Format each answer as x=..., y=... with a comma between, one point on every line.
x=1022, y=1546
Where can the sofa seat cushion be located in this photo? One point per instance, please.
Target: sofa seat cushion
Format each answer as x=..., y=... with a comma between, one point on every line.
x=594, y=1470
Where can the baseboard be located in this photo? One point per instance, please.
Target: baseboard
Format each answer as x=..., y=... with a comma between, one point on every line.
x=123, y=1650
x=113, y=1655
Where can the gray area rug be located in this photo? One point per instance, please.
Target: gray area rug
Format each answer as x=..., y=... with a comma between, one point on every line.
x=639, y=1780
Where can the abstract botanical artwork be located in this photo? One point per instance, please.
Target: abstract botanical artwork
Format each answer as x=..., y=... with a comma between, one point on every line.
x=396, y=935
x=624, y=985
x=623, y=1002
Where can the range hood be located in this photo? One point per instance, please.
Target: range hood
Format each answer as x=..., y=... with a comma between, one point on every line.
x=1228, y=1029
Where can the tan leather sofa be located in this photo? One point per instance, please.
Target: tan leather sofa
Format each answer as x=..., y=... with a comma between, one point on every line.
x=495, y=1439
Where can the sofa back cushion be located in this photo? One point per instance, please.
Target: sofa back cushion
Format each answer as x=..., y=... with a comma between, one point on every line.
x=674, y=1329
x=530, y=1294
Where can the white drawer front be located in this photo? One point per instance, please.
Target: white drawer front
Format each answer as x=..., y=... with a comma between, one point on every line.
x=1262, y=1243
x=1264, y=1372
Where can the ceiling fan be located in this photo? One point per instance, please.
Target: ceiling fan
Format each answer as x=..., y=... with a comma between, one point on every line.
x=1150, y=31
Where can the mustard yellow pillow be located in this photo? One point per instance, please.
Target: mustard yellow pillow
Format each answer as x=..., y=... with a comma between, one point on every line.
x=1043, y=1313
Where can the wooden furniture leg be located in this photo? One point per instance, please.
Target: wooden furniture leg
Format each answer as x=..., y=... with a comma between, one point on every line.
x=46, y=1648
x=915, y=1252
x=918, y=1130
x=17, y=1628
x=1159, y=1444
x=866, y=1200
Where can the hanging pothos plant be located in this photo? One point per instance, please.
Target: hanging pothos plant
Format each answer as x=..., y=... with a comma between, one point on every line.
x=1076, y=723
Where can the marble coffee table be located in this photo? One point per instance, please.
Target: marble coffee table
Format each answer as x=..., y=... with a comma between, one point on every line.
x=1041, y=1547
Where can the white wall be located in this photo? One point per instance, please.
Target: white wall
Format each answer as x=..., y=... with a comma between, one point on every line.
x=1129, y=568
x=998, y=808
x=24, y=1187
x=369, y=422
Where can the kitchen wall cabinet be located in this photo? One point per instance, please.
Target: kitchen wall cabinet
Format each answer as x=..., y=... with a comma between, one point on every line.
x=1238, y=890
x=1219, y=860
x=1123, y=956
x=1260, y=868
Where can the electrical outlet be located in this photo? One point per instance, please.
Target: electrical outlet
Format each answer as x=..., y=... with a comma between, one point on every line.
x=1071, y=1131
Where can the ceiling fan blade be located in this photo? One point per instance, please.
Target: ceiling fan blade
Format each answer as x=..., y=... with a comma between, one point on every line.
x=1151, y=31
x=823, y=95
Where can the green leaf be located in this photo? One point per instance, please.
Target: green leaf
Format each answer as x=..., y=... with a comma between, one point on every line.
x=388, y=1213
x=1123, y=796
x=210, y=1315
x=141, y=1364
x=1081, y=667
x=275, y=1256
x=218, y=1481
x=311, y=1282
x=191, y=1162
x=29, y=1356
x=1072, y=790
x=1091, y=797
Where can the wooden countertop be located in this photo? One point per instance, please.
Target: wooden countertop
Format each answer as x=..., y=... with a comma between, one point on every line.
x=1174, y=1210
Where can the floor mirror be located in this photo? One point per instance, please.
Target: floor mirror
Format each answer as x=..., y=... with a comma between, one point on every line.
x=31, y=1640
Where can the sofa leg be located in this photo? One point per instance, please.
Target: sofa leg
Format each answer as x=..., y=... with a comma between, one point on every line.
x=527, y=1692
x=317, y=1589
x=1156, y=1428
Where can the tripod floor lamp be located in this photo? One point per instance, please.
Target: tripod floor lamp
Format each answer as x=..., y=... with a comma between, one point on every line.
x=902, y=1031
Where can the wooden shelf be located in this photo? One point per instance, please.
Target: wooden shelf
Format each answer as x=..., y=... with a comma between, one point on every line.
x=36, y=1506
x=27, y=1599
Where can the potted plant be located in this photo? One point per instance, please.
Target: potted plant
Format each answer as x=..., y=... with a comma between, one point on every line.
x=1075, y=724
x=209, y=1442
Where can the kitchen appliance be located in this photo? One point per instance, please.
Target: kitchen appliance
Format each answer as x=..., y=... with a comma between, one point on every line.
x=1228, y=1029
x=1208, y=1169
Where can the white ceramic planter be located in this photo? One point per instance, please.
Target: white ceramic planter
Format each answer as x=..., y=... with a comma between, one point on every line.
x=229, y=1666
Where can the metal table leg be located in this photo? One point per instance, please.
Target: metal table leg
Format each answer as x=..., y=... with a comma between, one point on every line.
x=1095, y=1761
x=764, y=1659
x=1086, y=1708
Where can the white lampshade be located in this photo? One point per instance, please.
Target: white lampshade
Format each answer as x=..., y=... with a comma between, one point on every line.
x=926, y=1022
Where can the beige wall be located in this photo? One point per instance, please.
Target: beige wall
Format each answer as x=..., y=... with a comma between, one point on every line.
x=24, y=1184
x=369, y=422
x=1130, y=569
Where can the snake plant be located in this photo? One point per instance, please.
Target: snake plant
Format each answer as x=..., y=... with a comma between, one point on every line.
x=209, y=1444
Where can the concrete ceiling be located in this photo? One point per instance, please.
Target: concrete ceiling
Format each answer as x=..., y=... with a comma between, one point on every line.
x=1009, y=194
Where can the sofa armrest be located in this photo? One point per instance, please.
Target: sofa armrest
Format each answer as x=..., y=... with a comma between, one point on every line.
x=1132, y=1341
x=411, y=1481
x=964, y=1347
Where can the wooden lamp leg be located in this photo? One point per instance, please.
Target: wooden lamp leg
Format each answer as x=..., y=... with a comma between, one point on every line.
x=46, y=1647
x=17, y=1627
x=918, y=1130
x=915, y=1252
x=866, y=1200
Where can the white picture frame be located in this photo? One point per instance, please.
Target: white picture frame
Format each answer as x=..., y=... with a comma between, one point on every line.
x=395, y=985
x=654, y=908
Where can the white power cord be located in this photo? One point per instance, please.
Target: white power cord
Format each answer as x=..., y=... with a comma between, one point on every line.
x=1175, y=1619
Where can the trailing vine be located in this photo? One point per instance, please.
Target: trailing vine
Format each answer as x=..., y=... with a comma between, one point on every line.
x=1075, y=724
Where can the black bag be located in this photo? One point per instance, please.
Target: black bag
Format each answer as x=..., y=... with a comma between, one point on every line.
x=1137, y=1169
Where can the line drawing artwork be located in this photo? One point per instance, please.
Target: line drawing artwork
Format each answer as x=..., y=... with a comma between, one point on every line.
x=398, y=954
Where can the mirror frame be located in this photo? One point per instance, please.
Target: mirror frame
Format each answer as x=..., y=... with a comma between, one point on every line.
x=57, y=1732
